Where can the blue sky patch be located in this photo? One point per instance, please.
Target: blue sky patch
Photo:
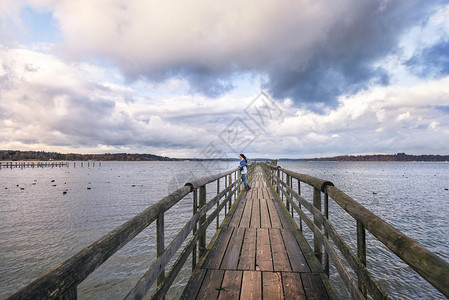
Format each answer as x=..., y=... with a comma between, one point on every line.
x=40, y=26
x=431, y=61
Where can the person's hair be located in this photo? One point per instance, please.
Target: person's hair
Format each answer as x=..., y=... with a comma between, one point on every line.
x=244, y=157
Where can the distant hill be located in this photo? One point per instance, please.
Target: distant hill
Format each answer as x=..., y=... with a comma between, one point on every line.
x=385, y=157
x=8, y=155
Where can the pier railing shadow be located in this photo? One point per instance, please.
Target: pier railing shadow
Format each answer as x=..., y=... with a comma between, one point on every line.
x=62, y=282
x=428, y=265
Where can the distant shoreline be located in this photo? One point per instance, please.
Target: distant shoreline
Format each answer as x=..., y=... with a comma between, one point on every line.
x=15, y=156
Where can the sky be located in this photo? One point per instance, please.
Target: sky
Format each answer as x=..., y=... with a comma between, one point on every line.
x=271, y=79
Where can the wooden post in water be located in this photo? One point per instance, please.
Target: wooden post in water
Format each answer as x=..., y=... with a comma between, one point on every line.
x=202, y=239
x=160, y=243
x=361, y=253
x=316, y=240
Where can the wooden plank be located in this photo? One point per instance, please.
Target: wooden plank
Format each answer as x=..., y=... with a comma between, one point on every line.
x=280, y=257
x=214, y=258
x=194, y=284
x=264, y=215
x=295, y=255
x=251, y=285
x=246, y=216
x=313, y=286
x=272, y=286
x=232, y=255
x=264, y=261
x=235, y=220
x=211, y=284
x=293, y=287
x=248, y=257
x=230, y=288
x=274, y=217
x=266, y=195
x=255, y=214
x=281, y=213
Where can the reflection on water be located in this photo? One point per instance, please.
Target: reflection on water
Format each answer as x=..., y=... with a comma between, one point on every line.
x=47, y=215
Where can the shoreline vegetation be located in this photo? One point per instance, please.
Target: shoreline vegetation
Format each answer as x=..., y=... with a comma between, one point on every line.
x=9, y=155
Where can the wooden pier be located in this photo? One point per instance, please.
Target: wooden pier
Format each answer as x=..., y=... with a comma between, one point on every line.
x=258, y=251
x=256, y=254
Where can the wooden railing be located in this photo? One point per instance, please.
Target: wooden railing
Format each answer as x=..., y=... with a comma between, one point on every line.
x=62, y=281
x=430, y=266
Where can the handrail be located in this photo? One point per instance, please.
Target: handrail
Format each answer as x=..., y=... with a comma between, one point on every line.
x=63, y=280
x=431, y=267
x=208, y=179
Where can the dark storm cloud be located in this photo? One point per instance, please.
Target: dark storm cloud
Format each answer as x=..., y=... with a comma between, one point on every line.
x=345, y=62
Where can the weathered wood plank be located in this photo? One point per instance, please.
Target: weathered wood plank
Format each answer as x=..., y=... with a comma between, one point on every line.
x=232, y=255
x=280, y=257
x=194, y=285
x=264, y=215
x=246, y=216
x=295, y=255
x=211, y=284
x=274, y=216
x=251, y=286
x=215, y=256
x=272, y=286
x=264, y=261
x=282, y=217
x=230, y=288
x=235, y=220
x=248, y=254
x=255, y=214
x=293, y=287
x=313, y=286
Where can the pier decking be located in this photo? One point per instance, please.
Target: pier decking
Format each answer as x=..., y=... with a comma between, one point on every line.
x=256, y=254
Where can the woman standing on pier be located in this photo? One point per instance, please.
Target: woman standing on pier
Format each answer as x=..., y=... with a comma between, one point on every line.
x=244, y=170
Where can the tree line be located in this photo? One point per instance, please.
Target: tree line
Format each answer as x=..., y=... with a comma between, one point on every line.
x=7, y=155
x=386, y=157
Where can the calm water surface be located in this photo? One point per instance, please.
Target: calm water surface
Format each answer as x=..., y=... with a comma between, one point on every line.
x=40, y=226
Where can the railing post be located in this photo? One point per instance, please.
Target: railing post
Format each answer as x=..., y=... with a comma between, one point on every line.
x=288, y=193
x=361, y=253
x=195, y=228
x=202, y=239
x=160, y=243
x=230, y=198
x=326, y=233
x=278, y=180
x=290, y=184
x=226, y=195
x=218, y=203
x=299, y=204
x=316, y=241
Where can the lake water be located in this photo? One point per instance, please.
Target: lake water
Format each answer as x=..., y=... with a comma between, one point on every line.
x=41, y=226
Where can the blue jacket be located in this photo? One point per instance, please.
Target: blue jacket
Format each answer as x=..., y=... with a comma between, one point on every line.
x=243, y=166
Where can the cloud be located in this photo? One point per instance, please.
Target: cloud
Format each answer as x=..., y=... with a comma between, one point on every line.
x=432, y=61
x=311, y=52
x=382, y=120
